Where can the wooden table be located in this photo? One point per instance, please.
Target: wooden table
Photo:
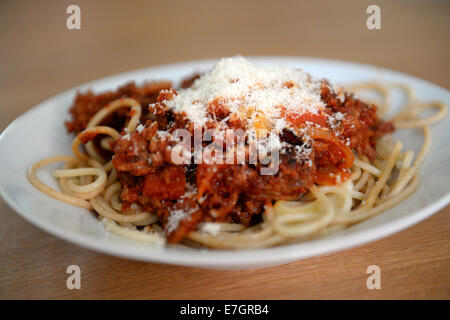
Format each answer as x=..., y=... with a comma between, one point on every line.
x=40, y=57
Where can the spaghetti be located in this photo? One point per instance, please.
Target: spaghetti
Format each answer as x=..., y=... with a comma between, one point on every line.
x=355, y=189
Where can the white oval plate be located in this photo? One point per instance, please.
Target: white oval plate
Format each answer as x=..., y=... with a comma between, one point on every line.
x=40, y=133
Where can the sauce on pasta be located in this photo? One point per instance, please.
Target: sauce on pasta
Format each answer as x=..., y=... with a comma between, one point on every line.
x=334, y=169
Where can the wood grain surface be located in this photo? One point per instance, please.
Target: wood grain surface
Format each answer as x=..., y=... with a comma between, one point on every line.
x=40, y=57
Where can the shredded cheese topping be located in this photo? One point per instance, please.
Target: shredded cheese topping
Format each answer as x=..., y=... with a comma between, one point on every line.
x=256, y=93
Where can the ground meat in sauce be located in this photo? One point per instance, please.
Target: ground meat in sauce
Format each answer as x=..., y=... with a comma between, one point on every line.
x=360, y=127
x=87, y=104
x=235, y=193
x=186, y=83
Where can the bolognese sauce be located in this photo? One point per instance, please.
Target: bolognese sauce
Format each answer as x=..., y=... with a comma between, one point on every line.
x=317, y=146
x=87, y=104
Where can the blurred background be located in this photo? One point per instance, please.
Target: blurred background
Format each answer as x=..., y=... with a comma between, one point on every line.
x=40, y=57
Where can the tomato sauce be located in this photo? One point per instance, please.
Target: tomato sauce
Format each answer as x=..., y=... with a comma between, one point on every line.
x=234, y=193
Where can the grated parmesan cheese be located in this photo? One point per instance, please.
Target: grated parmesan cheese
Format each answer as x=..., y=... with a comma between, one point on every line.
x=251, y=91
x=175, y=217
x=339, y=116
x=174, y=220
x=162, y=134
x=140, y=128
